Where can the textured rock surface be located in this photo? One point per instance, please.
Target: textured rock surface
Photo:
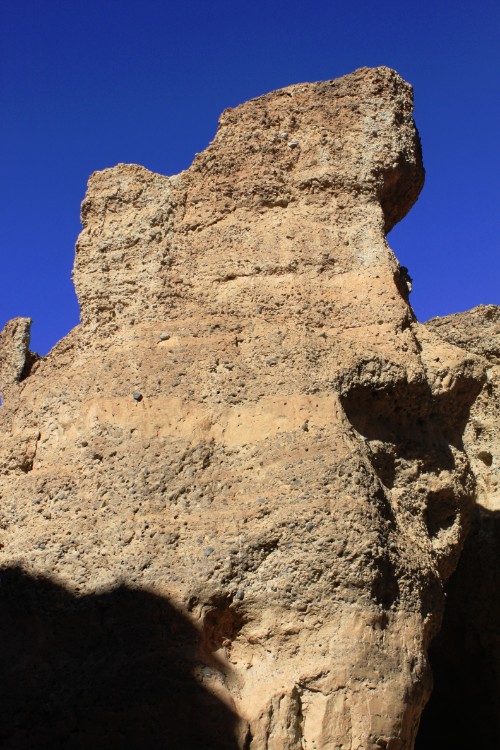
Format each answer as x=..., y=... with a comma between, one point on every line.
x=478, y=331
x=17, y=359
x=463, y=710
x=241, y=478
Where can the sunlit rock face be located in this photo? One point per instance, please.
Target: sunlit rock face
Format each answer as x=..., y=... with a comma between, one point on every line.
x=250, y=425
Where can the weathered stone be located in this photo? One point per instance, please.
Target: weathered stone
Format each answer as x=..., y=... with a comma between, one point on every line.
x=463, y=711
x=16, y=359
x=327, y=647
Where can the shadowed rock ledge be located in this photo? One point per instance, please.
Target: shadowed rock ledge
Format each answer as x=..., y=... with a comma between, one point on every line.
x=249, y=441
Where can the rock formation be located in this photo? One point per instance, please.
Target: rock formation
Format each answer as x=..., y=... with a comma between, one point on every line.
x=232, y=495
x=465, y=657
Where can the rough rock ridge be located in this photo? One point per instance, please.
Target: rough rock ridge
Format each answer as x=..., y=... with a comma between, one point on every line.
x=230, y=498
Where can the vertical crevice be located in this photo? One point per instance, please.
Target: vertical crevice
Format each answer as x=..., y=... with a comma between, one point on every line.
x=462, y=712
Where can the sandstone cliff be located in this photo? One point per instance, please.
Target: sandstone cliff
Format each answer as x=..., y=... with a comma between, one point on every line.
x=232, y=495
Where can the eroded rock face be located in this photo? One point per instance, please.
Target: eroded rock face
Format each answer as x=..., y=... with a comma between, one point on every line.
x=463, y=710
x=248, y=425
x=478, y=331
x=16, y=358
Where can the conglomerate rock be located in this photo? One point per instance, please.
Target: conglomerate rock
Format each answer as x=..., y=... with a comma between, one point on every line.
x=231, y=496
x=478, y=331
x=463, y=710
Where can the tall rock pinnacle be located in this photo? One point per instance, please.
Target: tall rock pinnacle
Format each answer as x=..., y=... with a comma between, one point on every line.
x=236, y=489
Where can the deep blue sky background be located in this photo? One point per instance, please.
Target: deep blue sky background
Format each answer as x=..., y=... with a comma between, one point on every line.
x=85, y=85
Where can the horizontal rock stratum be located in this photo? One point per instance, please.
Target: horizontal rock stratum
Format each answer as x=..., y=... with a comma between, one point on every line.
x=232, y=495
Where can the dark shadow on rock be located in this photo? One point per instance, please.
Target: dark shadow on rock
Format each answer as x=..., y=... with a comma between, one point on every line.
x=463, y=710
x=418, y=424
x=402, y=422
x=112, y=670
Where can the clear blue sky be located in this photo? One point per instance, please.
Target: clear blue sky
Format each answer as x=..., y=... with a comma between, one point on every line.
x=85, y=85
